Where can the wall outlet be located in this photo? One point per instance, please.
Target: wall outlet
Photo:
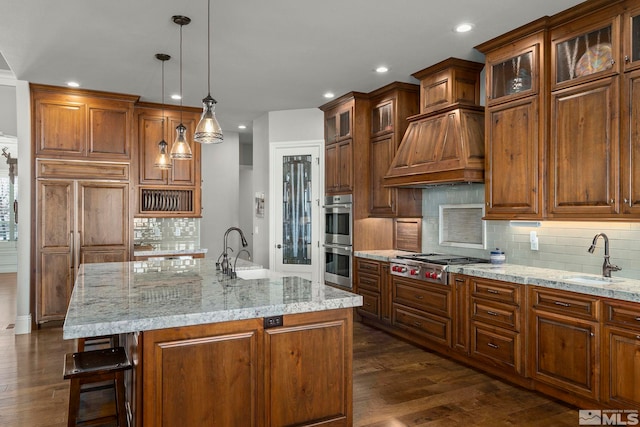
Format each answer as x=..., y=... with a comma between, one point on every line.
x=533, y=238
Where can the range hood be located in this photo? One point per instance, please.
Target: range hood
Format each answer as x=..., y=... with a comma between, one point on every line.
x=445, y=142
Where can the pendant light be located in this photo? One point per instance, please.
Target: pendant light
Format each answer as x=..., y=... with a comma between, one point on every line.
x=208, y=130
x=163, y=161
x=180, y=149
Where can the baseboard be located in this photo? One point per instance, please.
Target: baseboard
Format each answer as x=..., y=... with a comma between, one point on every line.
x=23, y=325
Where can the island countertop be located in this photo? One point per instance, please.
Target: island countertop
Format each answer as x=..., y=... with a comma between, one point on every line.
x=113, y=298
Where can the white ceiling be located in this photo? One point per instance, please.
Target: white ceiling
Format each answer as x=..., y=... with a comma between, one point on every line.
x=267, y=55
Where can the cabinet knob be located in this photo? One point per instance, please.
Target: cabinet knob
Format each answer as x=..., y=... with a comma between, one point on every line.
x=613, y=61
x=612, y=201
x=627, y=59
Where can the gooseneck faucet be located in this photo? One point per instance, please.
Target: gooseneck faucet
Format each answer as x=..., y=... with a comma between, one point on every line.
x=607, y=267
x=225, y=256
x=232, y=273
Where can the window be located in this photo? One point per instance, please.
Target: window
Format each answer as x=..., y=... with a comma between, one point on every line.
x=8, y=195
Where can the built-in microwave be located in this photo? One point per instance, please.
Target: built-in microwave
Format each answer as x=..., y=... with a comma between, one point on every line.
x=338, y=222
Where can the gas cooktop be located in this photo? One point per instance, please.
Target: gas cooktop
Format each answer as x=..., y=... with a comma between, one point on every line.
x=429, y=267
x=443, y=259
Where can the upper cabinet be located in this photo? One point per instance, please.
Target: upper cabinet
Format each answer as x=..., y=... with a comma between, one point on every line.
x=81, y=124
x=338, y=122
x=390, y=107
x=166, y=192
x=631, y=38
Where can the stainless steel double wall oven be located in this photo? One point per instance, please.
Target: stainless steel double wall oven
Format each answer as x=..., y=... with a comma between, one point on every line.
x=338, y=240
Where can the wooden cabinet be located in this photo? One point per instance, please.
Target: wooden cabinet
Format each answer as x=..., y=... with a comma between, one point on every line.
x=496, y=324
x=72, y=123
x=372, y=281
x=238, y=373
x=174, y=192
x=390, y=107
x=630, y=146
x=631, y=38
x=620, y=361
x=515, y=124
x=77, y=221
x=564, y=341
x=346, y=125
x=423, y=310
x=460, y=317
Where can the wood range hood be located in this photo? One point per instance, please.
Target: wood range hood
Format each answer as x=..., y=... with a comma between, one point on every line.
x=443, y=144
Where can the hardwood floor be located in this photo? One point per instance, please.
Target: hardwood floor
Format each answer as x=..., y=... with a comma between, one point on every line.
x=395, y=384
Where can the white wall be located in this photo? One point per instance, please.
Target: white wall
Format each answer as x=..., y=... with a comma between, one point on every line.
x=562, y=244
x=220, y=193
x=246, y=209
x=277, y=126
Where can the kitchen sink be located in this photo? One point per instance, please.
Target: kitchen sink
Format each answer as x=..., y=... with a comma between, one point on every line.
x=591, y=280
x=259, y=273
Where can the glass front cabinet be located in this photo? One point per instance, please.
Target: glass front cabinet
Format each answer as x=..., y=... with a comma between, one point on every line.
x=514, y=76
x=631, y=41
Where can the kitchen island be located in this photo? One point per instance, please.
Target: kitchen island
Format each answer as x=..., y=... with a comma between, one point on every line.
x=211, y=350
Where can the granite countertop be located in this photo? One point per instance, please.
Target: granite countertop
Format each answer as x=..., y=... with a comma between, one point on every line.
x=111, y=298
x=618, y=287
x=380, y=255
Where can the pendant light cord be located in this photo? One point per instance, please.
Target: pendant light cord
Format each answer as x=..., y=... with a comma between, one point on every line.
x=209, y=47
x=163, y=98
x=181, y=94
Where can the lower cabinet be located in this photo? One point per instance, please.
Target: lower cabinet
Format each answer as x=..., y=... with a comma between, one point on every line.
x=564, y=341
x=238, y=373
x=372, y=282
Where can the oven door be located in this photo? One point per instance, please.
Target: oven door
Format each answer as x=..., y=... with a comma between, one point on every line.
x=337, y=225
x=338, y=265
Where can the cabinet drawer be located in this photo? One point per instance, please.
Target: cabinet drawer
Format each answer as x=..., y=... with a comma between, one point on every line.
x=432, y=327
x=367, y=266
x=499, y=291
x=498, y=345
x=495, y=313
x=622, y=314
x=370, y=304
x=567, y=303
x=369, y=282
x=428, y=299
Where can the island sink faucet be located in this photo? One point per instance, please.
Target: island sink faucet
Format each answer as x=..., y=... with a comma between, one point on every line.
x=607, y=267
x=225, y=256
x=232, y=272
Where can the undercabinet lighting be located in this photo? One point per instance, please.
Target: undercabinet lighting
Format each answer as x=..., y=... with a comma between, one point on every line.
x=73, y=84
x=463, y=28
x=525, y=224
x=382, y=69
x=242, y=127
x=177, y=97
x=329, y=95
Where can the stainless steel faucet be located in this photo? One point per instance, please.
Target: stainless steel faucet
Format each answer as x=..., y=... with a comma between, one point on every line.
x=607, y=267
x=225, y=256
x=233, y=272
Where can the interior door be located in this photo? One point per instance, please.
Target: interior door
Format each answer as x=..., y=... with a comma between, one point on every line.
x=295, y=186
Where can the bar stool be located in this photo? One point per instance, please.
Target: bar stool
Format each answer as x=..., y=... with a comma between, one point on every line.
x=96, y=366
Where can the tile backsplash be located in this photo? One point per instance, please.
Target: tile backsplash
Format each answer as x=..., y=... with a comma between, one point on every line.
x=184, y=232
x=562, y=244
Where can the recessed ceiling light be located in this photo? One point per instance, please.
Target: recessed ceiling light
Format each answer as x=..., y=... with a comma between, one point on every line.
x=242, y=127
x=382, y=69
x=329, y=95
x=463, y=28
x=73, y=84
x=176, y=96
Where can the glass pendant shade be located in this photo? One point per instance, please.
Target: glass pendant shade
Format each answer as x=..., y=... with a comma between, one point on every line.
x=208, y=130
x=180, y=149
x=163, y=161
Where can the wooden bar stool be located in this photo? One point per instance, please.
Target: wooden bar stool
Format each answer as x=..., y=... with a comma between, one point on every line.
x=96, y=366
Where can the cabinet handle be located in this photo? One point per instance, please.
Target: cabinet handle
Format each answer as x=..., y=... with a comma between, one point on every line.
x=417, y=324
x=638, y=319
x=592, y=334
x=627, y=59
x=613, y=61
x=638, y=337
x=611, y=201
x=73, y=251
x=562, y=304
x=492, y=313
x=492, y=345
x=419, y=297
x=493, y=291
x=368, y=304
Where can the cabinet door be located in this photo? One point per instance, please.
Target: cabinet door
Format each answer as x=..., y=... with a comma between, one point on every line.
x=60, y=126
x=109, y=129
x=150, y=133
x=345, y=166
x=621, y=367
x=584, y=149
x=630, y=145
x=331, y=169
x=184, y=172
x=565, y=353
x=204, y=375
x=55, y=272
x=512, y=160
x=382, y=150
x=631, y=39
x=460, y=315
x=514, y=71
x=308, y=370
x=103, y=221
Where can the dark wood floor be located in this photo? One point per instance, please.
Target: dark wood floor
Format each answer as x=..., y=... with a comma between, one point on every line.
x=395, y=384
